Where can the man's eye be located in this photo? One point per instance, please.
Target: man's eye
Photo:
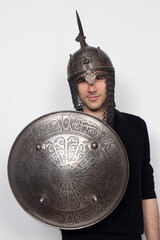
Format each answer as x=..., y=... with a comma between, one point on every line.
x=81, y=80
x=99, y=77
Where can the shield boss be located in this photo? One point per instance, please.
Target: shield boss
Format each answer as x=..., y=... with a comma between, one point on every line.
x=68, y=170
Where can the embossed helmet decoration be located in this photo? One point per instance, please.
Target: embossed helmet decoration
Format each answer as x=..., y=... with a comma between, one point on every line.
x=87, y=64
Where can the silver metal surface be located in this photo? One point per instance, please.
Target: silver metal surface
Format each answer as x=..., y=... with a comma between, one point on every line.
x=87, y=59
x=68, y=170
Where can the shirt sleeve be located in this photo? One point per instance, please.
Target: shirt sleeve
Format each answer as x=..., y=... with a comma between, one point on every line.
x=148, y=186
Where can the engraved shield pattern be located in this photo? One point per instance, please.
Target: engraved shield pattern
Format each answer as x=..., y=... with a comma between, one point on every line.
x=68, y=170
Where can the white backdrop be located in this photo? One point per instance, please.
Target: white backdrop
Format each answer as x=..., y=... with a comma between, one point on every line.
x=36, y=38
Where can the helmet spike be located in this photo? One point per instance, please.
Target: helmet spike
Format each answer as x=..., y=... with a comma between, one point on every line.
x=80, y=38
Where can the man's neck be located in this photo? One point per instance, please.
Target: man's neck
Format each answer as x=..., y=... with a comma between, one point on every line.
x=97, y=114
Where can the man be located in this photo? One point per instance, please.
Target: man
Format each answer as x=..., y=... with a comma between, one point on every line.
x=91, y=80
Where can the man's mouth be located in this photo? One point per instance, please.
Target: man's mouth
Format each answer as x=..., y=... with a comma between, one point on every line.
x=92, y=97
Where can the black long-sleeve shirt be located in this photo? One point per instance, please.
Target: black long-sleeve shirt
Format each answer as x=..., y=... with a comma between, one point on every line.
x=126, y=221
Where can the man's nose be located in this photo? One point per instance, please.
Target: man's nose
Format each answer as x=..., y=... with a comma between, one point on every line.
x=92, y=87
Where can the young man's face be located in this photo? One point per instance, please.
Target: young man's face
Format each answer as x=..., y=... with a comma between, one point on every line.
x=93, y=96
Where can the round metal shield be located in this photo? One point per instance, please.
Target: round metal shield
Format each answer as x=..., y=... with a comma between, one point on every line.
x=68, y=169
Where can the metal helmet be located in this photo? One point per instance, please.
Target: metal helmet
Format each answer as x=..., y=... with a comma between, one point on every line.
x=87, y=63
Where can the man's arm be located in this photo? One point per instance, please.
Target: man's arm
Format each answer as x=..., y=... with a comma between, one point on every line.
x=151, y=219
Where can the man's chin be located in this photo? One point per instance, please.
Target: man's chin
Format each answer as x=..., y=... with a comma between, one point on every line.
x=94, y=109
